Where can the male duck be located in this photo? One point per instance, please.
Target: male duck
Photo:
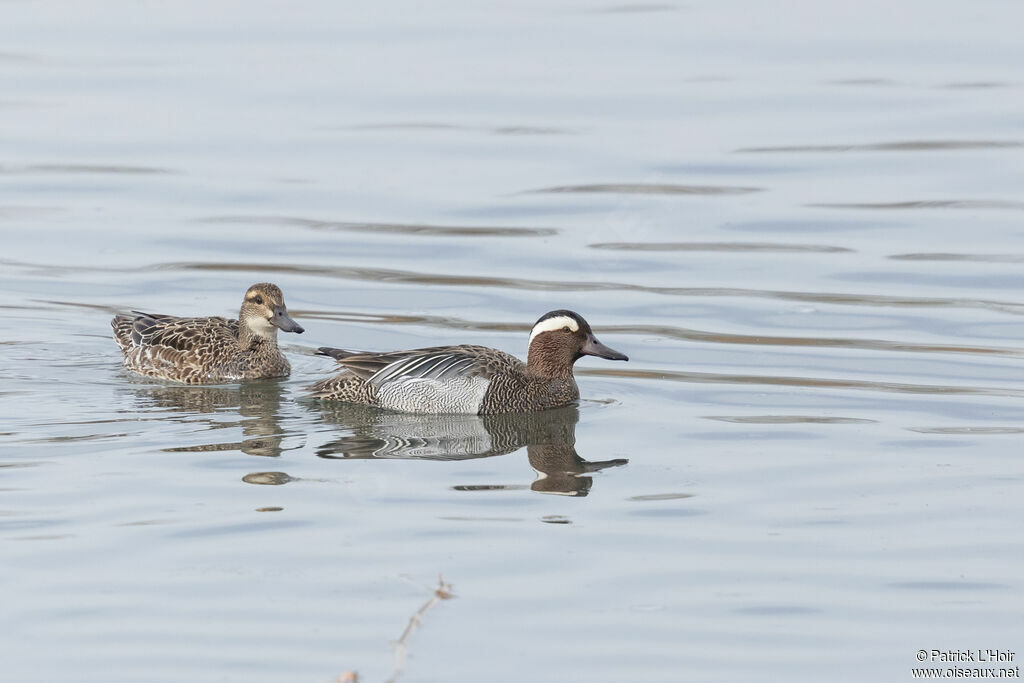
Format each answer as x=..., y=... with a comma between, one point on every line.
x=208, y=350
x=470, y=379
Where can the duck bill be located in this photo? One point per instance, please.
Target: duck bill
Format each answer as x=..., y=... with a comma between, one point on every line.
x=282, y=321
x=592, y=347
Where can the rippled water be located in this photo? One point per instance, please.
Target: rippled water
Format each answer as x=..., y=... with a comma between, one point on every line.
x=803, y=226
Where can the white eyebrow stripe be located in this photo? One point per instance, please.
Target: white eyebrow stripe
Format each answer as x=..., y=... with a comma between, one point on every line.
x=552, y=324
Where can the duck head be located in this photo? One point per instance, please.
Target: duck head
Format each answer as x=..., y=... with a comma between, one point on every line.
x=264, y=313
x=559, y=339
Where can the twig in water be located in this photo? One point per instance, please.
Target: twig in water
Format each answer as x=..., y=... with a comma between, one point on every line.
x=442, y=592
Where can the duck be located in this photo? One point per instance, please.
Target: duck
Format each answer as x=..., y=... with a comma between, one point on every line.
x=469, y=379
x=212, y=349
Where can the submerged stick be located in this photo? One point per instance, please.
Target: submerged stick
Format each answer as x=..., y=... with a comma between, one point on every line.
x=442, y=592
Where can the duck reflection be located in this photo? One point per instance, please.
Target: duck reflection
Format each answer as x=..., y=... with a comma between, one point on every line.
x=549, y=437
x=257, y=403
x=268, y=478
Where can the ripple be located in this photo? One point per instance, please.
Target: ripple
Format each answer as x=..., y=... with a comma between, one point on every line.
x=635, y=8
x=967, y=430
x=646, y=188
x=974, y=85
x=76, y=438
x=901, y=146
x=245, y=528
x=147, y=522
x=788, y=419
x=777, y=610
x=724, y=169
x=665, y=513
x=386, y=228
x=948, y=585
x=979, y=258
x=718, y=246
x=661, y=496
x=928, y=204
x=815, y=226
x=824, y=342
x=529, y=130
x=428, y=125
x=809, y=382
x=863, y=81
x=412, y=277
x=102, y=169
x=681, y=333
x=904, y=444
x=453, y=518
x=555, y=519
x=59, y=270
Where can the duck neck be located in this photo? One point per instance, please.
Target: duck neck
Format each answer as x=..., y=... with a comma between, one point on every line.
x=256, y=334
x=549, y=361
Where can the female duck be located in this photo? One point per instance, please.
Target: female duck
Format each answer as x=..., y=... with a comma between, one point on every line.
x=470, y=379
x=207, y=350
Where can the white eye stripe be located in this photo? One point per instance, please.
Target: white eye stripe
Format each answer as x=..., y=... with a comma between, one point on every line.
x=552, y=324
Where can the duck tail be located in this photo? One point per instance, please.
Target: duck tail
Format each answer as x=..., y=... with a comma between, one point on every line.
x=336, y=354
x=321, y=389
x=122, y=326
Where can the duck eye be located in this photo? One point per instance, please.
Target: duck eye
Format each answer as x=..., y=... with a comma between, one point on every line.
x=566, y=329
x=258, y=300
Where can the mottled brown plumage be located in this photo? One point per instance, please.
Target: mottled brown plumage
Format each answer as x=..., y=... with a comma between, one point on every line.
x=469, y=379
x=211, y=349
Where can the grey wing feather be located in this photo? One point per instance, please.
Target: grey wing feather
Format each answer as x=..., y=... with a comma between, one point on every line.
x=435, y=364
x=361, y=364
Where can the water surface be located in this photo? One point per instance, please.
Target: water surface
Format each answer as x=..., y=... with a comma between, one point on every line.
x=803, y=227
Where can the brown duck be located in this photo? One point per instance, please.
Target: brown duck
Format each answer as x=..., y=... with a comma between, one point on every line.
x=470, y=379
x=209, y=350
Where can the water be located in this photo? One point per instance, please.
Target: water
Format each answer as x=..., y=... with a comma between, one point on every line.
x=802, y=224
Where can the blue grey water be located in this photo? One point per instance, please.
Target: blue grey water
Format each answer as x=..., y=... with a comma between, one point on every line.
x=803, y=223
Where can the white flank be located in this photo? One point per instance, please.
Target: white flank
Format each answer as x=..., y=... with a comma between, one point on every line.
x=459, y=394
x=552, y=324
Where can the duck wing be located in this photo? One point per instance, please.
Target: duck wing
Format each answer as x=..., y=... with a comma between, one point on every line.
x=440, y=379
x=433, y=363
x=363, y=364
x=181, y=334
